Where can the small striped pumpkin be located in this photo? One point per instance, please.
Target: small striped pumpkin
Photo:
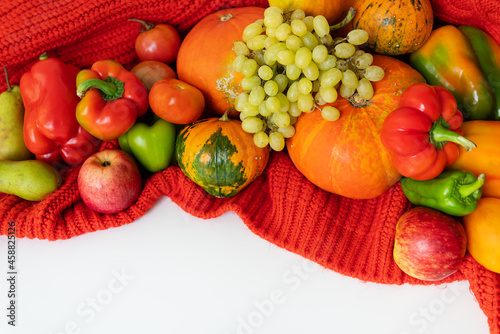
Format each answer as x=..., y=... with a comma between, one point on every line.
x=395, y=27
x=219, y=156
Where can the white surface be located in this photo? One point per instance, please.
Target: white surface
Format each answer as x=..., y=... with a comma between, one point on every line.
x=170, y=272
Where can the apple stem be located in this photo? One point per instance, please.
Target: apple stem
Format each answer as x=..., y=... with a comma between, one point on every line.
x=106, y=164
x=467, y=189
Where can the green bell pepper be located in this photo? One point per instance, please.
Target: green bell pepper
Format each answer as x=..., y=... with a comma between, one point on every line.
x=454, y=192
x=488, y=55
x=151, y=145
x=448, y=60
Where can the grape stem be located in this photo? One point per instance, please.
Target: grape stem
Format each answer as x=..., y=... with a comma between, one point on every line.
x=345, y=21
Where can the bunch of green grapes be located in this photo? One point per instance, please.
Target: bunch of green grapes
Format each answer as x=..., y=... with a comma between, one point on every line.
x=291, y=64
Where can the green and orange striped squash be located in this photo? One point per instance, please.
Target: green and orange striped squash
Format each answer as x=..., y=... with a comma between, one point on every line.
x=216, y=154
x=346, y=156
x=394, y=27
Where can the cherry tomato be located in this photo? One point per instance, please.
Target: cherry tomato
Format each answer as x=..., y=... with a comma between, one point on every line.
x=176, y=101
x=159, y=42
x=150, y=71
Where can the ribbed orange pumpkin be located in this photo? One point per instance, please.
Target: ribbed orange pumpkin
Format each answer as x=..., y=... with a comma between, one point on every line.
x=346, y=156
x=395, y=27
x=219, y=156
x=205, y=57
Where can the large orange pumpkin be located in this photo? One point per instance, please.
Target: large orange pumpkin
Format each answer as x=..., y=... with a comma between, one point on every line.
x=332, y=10
x=346, y=156
x=395, y=27
x=205, y=57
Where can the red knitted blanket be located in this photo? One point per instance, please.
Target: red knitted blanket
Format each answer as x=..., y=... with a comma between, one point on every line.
x=351, y=237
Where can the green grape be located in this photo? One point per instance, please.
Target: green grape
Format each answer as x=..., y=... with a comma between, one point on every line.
x=297, y=14
x=282, y=82
x=319, y=100
x=248, y=83
x=329, y=63
x=308, y=20
x=283, y=31
x=299, y=28
x=273, y=104
x=238, y=62
x=249, y=67
x=305, y=86
x=293, y=43
x=265, y=72
x=242, y=116
x=350, y=79
x=240, y=100
x=357, y=37
x=320, y=25
x=261, y=139
x=240, y=48
x=252, y=30
x=319, y=53
x=344, y=50
x=284, y=102
x=276, y=141
x=328, y=94
x=281, y=119
x=293, y=92
x=250, y=109
x=365, y=89
x=252, y=124
x=316, y=85
x=330, y=113
x=257, y=42
x=285, y=57
x=271, y=32
x=346, y=92
x=292, y=71
x=331, y=77
x=259, y=58
x=257, y=95
x=294, y=110
x=374, y=73
x=303, y=57
x=311, y=71
x=310, y=41
x=270, y=41
x=305, y=103
x=271, y=88
x=287, y=131
x=263, y=111
x=293, y=120
x=273, y=9
x=363, y=61
x=271, y=54
x=273, y=19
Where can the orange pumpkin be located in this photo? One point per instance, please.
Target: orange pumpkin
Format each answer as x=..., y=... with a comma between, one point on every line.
x=346, y=156
x=394, y=27
x=205, y=57
x=332, y=10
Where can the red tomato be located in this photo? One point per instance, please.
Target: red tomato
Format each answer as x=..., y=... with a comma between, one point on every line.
x=159, y=42
x=150, y=71
x=176, y=101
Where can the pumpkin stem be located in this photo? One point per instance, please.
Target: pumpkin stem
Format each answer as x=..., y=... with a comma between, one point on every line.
x=357, y=101
x=225, y=117
x=345, y=21
x=226, y=17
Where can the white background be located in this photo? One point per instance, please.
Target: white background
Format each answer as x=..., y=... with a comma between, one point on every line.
x=169, y=272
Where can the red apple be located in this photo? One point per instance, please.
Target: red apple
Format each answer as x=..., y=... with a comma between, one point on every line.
x=109, y=181
x=429, y=245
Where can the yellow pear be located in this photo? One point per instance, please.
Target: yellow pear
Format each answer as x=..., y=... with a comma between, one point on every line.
x=31, y=180
x=12, y=146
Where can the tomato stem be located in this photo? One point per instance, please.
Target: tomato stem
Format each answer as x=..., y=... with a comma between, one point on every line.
x=145, y=26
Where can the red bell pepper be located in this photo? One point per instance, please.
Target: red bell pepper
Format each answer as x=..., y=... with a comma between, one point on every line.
x=51, y=130
x=112, y=99
x=424, y=132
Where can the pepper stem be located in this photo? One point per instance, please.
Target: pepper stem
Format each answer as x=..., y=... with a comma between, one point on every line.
x=440, y=134
x=9, y=87
x=110, y=88
x=467, y=189
x=345, y=21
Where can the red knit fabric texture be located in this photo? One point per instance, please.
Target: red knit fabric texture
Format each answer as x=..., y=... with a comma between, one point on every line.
x=352, y=237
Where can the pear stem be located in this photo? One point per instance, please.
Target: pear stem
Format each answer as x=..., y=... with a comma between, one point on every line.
x=9, y=87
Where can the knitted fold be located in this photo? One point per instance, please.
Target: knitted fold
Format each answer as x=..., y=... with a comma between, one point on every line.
x=352, y=237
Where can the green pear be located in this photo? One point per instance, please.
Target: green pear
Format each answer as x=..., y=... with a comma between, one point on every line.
x=12, y=146
x=31, y=180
